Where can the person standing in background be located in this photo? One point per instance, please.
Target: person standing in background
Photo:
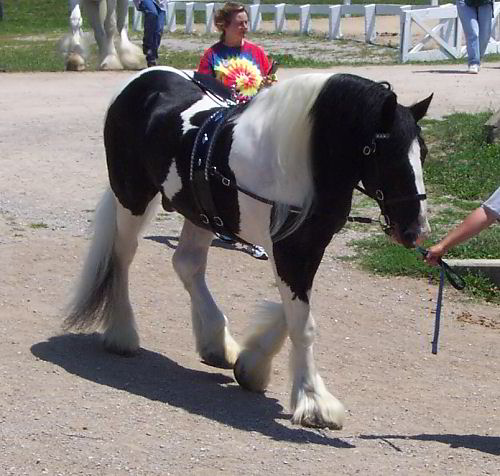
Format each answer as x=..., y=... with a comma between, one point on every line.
x=476, y=17
x=155, y=13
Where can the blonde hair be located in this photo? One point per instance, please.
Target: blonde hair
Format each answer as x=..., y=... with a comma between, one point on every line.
x=224, y=15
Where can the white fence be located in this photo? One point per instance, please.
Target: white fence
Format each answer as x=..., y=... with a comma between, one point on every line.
x=442, y=26
x=426, y=33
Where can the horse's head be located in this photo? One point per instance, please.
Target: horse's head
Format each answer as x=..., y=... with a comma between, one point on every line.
x=392, y=170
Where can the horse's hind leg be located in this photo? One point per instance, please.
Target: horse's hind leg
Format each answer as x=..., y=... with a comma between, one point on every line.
x=213, y=340
x=120, y=330
x=101, y=299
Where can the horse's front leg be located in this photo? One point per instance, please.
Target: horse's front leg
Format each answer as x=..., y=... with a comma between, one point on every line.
x=311, y=403
x=72, y=45
x=130, y=55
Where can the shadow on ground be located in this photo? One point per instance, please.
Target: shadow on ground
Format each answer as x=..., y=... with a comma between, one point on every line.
x=486, y=444
x=443, y=71
x=151, y=375
x=172, y=241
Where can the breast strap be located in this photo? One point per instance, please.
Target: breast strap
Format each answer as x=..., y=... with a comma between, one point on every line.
x=202, y=170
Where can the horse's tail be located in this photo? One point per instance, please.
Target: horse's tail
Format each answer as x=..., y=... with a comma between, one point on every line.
x=89, y=308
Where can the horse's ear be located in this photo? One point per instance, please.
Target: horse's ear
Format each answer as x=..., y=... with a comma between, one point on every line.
x=419, y=109
x=388, y=112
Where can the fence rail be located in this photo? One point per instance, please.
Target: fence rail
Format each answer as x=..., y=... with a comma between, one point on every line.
x=440, y=24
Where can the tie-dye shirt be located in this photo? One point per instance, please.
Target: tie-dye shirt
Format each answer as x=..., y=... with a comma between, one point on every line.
x=241, y=68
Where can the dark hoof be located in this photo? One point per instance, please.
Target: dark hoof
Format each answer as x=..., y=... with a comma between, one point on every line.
x=213, y=360
x=245, y=380
x=120, y=351
x=318, y=423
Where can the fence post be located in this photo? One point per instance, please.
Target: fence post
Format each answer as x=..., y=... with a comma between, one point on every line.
x=257, y=2
x=495, y=28
x=347, y=2
x=136, y=17
x=209, y=17
x=189, y=17
x=279, y=17
x=405, y=33
x=255, y=16
x=171, y=17
x=304, y=23
x=370, y=31
x=334, y=31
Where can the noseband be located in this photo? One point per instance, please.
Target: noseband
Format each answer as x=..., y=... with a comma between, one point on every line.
x=378, y=195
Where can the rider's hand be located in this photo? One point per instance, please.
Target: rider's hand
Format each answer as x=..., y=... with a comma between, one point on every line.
x=269, y=80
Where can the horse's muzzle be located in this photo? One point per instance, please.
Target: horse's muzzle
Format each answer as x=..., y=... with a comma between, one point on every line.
x=409, y=237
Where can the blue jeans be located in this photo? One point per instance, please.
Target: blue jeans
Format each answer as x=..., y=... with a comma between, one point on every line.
x=154, y=22
x=476, y=22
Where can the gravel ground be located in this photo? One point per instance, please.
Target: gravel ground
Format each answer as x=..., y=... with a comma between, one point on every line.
x=67, y=407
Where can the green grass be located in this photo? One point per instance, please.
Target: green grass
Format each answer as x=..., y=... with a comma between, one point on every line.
x=461, y=170
x=179, y=59
x=37, y=226
x=354, y=2
x=34, y=17
x=30, y=55
x=471, y=172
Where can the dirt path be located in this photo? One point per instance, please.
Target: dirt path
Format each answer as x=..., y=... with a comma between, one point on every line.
x=67, y=407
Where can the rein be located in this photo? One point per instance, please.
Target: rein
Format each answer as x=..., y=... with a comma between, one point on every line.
x=455, y=280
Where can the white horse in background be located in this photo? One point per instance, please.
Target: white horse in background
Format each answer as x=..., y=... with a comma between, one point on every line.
x=109, y=20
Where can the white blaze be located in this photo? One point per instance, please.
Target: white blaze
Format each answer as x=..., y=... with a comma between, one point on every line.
x=416, y=163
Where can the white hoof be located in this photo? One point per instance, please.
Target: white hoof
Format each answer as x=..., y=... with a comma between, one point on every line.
x=111, y=63
x=132, y=57
x=132, y=63
x=120, y=341
x=222, y=351
x=75, y=62
x=319, y=410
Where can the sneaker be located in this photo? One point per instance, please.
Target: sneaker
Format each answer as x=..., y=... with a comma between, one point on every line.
x=474, y=68
x=226, y=239
x=259, y=252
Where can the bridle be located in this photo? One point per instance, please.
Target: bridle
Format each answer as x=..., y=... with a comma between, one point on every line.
x=379, y=195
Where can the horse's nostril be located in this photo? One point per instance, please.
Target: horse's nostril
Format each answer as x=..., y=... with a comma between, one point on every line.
x=410, y=237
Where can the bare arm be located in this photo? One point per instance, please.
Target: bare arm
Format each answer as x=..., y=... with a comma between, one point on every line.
x=474, y=223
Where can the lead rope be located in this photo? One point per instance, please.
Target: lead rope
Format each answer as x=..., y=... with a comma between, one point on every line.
x=455, y=280
x=437, y=320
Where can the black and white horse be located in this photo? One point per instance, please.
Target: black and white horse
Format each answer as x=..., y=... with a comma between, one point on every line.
x=279, y=171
